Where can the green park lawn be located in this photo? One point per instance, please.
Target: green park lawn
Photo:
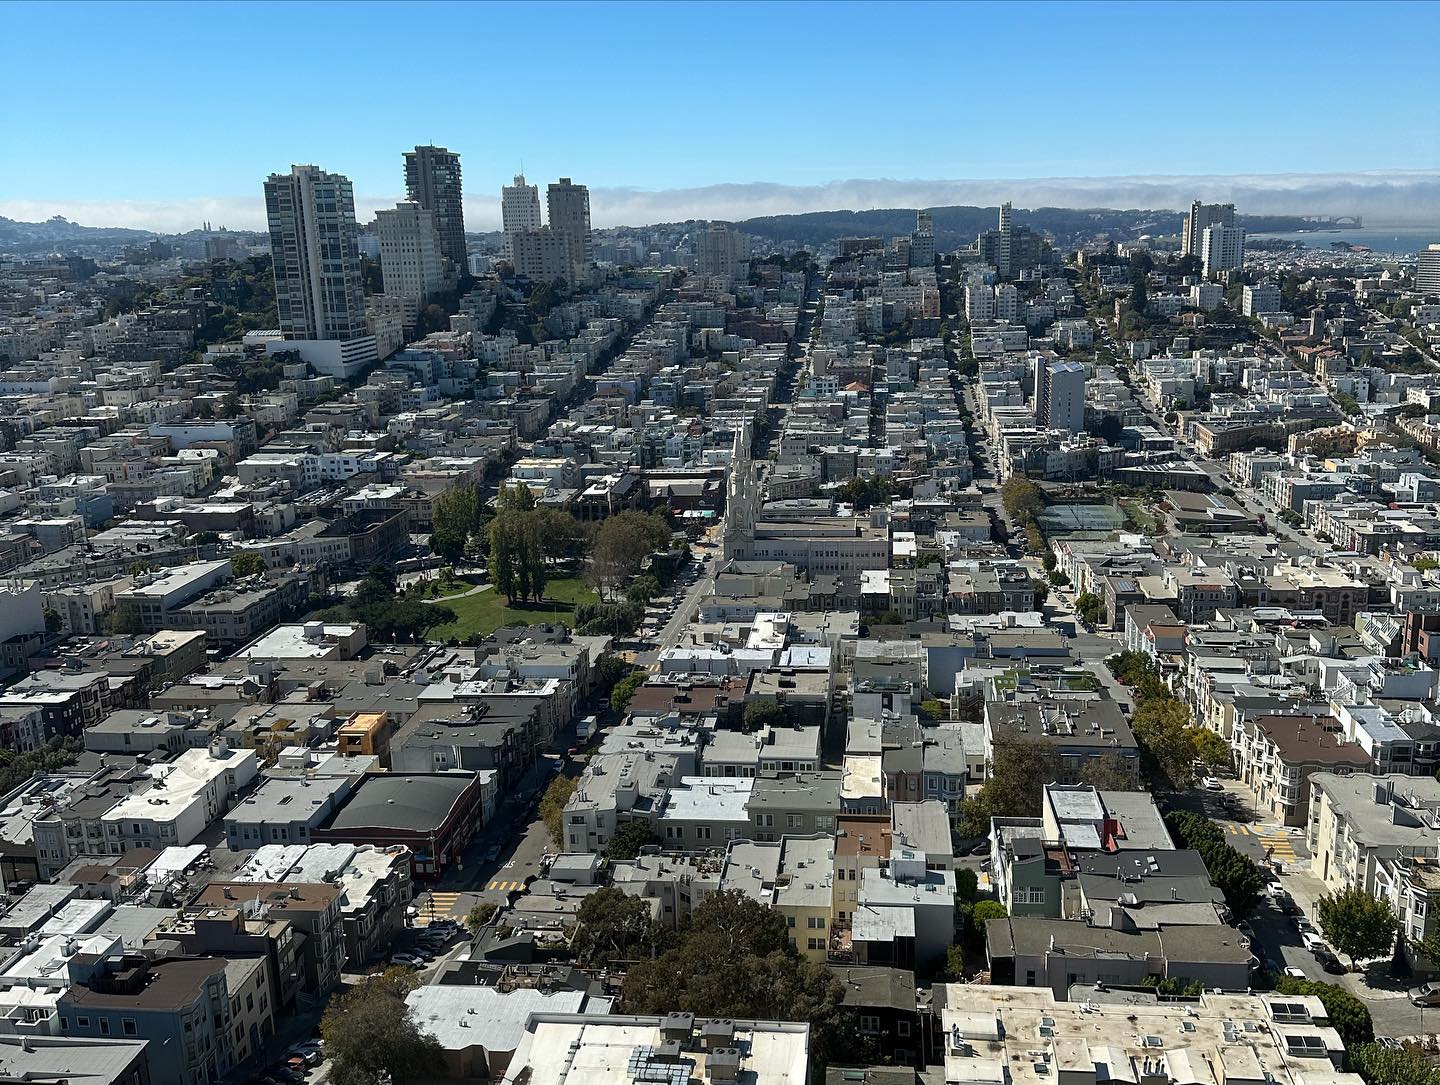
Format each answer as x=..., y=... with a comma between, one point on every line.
x=486, y=611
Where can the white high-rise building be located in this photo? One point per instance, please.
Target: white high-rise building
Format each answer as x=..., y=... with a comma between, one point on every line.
x=569, y=205
x=319, y=288
x=519, y=209
x=1261, y=298
x=979, y=302
x=1427, y=270
x=1060, y=395
x=1200, y=216
x=411, y=260
x=314, y=241
x=1007, y=302
x=1222, y=248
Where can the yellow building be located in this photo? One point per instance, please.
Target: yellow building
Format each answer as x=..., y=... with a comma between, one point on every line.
x=366, y=734
x=795, y=875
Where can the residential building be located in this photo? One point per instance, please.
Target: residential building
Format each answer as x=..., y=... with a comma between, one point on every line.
x=569, y=206
x=542, y=254
x=519, y=210
x=1060, y=395
x=411, y=260
x=319, y=292
x=1357, y=823
x=1427, y=271
x=1222, y=248
x=432, y=180
x=1201, y=217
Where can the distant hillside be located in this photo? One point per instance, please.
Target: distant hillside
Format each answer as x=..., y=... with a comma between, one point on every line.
x=61, y=233
x=956, y=226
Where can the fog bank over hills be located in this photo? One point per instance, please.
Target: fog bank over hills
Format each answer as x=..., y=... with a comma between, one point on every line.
x=1393, y=197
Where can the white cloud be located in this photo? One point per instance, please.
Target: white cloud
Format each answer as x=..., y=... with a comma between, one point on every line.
x=1390, y=197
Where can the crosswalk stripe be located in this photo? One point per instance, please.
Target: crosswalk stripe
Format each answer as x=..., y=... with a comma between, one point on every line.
x=505, y=886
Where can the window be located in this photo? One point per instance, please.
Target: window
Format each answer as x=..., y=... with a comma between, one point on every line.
x=104, y=1026
x=82, y=1022
x=816, y=922
x=902, y=1027
x=816, y=943
x=869, y=1022
x=789, y=921
x=1030, y=977
x=702, y=832
x=127, y=1026
x=794, y=821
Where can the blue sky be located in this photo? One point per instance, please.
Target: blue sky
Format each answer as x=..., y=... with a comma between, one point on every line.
x=114, y=106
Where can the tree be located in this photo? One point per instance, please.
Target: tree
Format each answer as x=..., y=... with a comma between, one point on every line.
x=734, y=959
x=608, y=670
x=1022, y=499
x=54, y=620
x=1211, y=748
x=628, y=839
x=1015, y=786
x=125, y=619
x=16, y=768
x=480, y=915
x=1359, y=925
x=758, y=715
x=1090, y=607
x=503, y=572
x=552, y=807
x=517, y=498
x=613, y=926
x=955, y=962
x=967, y=884
x=642, y=589
x=1041, y=589
x=624, y=690
x=447, y=545
x=1109, y=772
x=1406, y=1065
x=247, y=563
x=622, y=543
x=1235, y=875
x=372, y=1037
x=985, y=911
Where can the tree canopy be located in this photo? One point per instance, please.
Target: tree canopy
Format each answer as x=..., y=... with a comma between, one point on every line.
x=1359, y=925
x=1015, y=786
x=1235, y=875
x=733, y=958
x=628, y=838
x=622, y=543
x=372, y=1037
x=552, y=807
x=614, y=926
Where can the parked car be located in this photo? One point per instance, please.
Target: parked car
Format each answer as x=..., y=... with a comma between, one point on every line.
x=1295, y=973
x=1311, y=940
x=1427, y=994
x=1327, y=959
x=1212, y=784
x=407, y=959
x=311, y=1053
x=1304, y=926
